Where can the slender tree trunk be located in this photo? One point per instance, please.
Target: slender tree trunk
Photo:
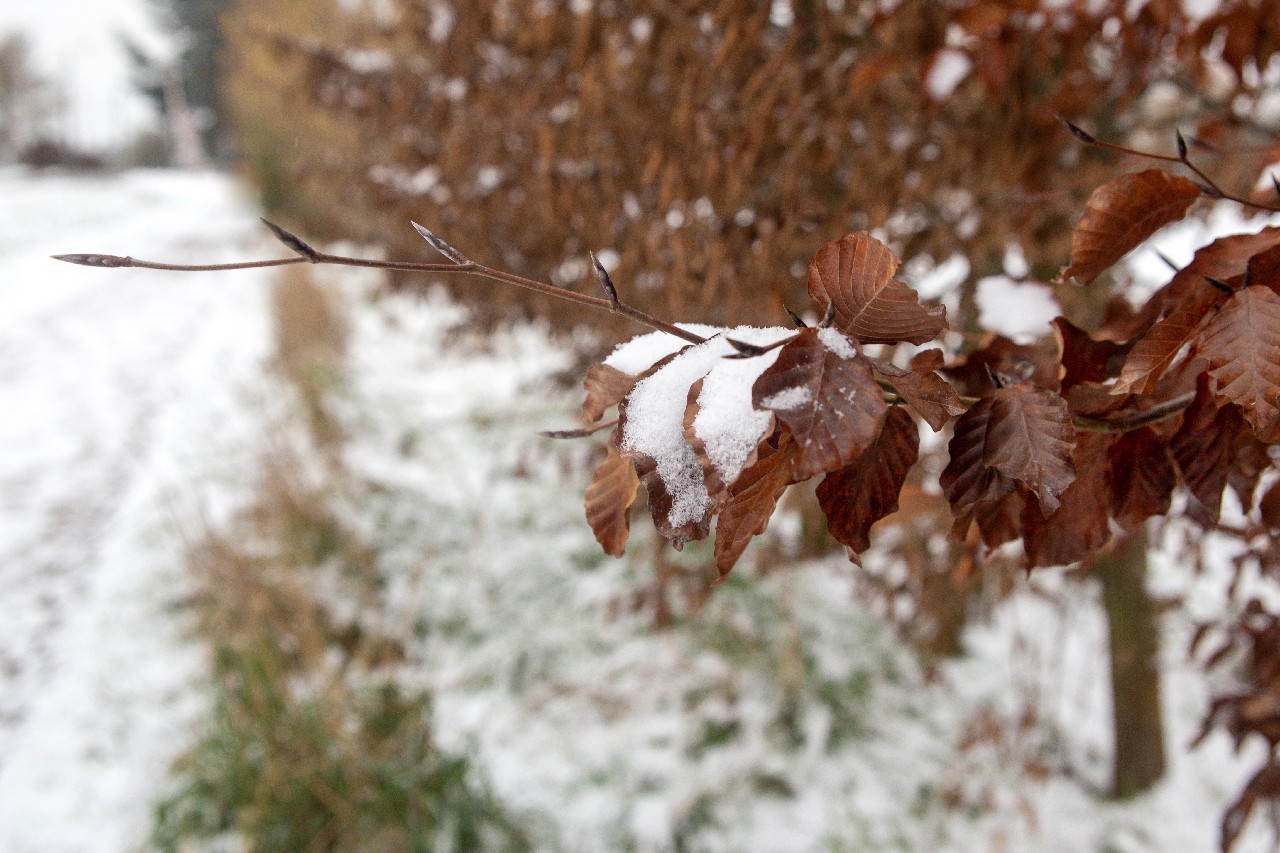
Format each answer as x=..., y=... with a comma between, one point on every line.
x=1135, y=666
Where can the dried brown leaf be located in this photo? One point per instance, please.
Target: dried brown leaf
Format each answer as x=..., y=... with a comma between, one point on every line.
x=1204, y=446
x=1142, y=477
x=1080, y=525
x=606, y=386
x=609, y=498
x=1155, y=351
x=855, y=273
x=1029, y=438
x=931, y=396
x=1122, y=213
x=751, y=502
x=865, y=491
x=1085, y=359
x=1242, y=345
x=830, y=403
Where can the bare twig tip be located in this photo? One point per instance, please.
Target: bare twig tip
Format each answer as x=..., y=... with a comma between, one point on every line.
x=94, y=260
x=605, y=282
x=440, y=245
x=829, y=317
x=1220, y=284
x=1078, y=132
x=1182, y=145
x=1167, y=260
x=293, y=241
x=795, y=318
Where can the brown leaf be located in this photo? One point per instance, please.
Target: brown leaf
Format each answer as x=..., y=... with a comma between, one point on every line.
x=1029, y=438
x=1011, y=361
x=1083, y=358
x=1121, y=214
x=1242, y=345
x=1204, y=446
x=1080, y=525
x=931, y=396
x=661, y=503
x=974, y=489
x=1269, y=506
x=827, y=399
x=856, y=274
x=1142, y=477
x=751, y=502
x=1264, y=268
x=606, y=386
x=1158, y=348
x=609, y=498
x=865, y=491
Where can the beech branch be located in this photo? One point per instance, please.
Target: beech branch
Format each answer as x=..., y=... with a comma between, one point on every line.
x=457, y=264
x=1208, y=186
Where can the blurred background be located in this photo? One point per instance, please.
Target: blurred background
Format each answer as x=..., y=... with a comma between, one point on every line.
x=285, y=565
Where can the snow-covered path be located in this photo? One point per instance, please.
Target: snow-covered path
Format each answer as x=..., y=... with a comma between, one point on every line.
x=119, y=390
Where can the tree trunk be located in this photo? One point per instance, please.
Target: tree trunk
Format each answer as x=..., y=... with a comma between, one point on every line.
x=1135, y=666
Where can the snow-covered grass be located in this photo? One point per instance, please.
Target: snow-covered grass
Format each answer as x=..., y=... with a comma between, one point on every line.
x=782, y=716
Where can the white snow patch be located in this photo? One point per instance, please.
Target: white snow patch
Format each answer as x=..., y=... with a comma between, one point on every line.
x=837, y=342
x=637, y=355
x=655, y=419
x=791, y=398
x=1018, y=310
x=946, y=72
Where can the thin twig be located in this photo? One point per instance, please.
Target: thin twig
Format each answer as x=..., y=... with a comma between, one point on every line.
x=1128, y=423
x=459, y=264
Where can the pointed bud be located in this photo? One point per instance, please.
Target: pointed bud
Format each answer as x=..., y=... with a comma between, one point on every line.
x=95, y=260
x=291, y=240
x=1182, y=144
x=605, y=281
x=1167, y=260
x=1220, y=284
x=441, y=246
x=1077, y=132
x=795, y=318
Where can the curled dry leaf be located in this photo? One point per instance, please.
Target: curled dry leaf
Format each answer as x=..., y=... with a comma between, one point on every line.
x=1161, y=346
x=609, y=498
x=931, y=396
x=1081, y=523
x=1203, y=447
x=1242, y=345
x=855, y=274
x=824, y=393
x=866, y=490
x=1083, y=358
x=605, y=386
x=1029, y=438
x=1142, y=477
x=751, y=502
x=1121, y=214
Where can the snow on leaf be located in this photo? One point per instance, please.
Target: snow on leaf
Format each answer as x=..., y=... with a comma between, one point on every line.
x=1122, y=213
x=1029, y=439
x=844, y=411
x=1242, y=345
x=855, y=273
x=609, y=498
x=752, y=500
x=866, y=490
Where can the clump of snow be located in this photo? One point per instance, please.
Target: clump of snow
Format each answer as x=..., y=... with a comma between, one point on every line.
x=1018, y=310
x=637, y=355
x=790, y=398
x=837, y=342
x=946, y=72
x=655, y=417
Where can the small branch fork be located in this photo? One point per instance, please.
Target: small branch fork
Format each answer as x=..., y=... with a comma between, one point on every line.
x=458, y=263
x=1208, y=186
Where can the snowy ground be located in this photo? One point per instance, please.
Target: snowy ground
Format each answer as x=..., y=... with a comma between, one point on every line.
x=119, y=390
x=783, y=718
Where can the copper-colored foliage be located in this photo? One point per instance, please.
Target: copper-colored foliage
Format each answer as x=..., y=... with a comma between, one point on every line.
x=609, y=498
x=1029, y=439
x=1204, y=446
x=1142, y=477
x=856, y=274
x=606, y=386
x=931, y=396
x=830, y=404
x=1085, y=359
x=1265, y=785
x=1011, y=362
x=660, y=504
x=1264, y=268
x=752, y=499
x=969, y=484
x=1158, y=348
x=865, y=491
x=1242, y=344
x=1121, y=214
x=1081, y=524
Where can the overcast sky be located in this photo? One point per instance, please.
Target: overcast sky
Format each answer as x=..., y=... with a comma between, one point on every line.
x=76, y=44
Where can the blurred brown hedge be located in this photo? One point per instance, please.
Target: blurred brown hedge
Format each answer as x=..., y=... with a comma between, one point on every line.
x=715, y=146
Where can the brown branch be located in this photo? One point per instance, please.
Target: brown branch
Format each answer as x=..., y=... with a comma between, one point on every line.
x=1208, y=186
x=458, y=264
x=1128, y=423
